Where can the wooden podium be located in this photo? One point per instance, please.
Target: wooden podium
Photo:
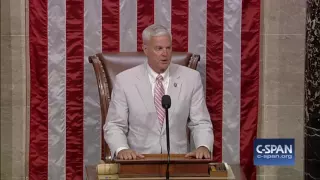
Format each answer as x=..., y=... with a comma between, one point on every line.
x=154, y=166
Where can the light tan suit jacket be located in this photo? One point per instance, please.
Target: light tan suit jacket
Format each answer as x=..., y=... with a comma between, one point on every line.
x=132, y=119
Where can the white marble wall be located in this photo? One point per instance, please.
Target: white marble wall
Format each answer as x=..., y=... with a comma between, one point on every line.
x=282, y=80
x=14, y=106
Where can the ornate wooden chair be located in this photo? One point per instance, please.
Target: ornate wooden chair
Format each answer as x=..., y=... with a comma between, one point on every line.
x=108, y=65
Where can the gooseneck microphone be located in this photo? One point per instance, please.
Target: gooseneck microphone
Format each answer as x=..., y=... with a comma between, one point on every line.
x=166, y=104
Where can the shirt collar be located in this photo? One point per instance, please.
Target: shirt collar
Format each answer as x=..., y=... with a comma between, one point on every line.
x=154, y=75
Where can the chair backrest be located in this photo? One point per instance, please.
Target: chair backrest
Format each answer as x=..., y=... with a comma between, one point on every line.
x=108, y=65
x=114, y=63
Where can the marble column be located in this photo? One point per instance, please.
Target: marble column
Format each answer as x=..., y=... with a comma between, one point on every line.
x=312, y=91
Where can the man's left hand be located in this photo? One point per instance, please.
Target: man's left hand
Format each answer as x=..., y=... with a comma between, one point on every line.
x=200, y=153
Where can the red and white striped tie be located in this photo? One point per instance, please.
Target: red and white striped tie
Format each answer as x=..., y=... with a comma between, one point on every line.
x=158, y=93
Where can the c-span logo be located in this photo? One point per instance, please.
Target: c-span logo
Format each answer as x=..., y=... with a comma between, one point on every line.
x=274, y=152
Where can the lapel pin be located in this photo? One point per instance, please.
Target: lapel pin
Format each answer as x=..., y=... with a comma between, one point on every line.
x=175, y=84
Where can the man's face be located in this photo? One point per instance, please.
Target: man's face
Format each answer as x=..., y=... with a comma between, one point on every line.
x=158, y=50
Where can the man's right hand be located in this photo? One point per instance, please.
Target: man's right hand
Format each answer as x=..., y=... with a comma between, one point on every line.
x=128, y=154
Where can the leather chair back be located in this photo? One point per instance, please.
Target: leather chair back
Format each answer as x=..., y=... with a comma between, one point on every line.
x=114, y=63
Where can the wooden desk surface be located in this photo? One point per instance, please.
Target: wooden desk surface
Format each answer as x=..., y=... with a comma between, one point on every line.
x=238, y=174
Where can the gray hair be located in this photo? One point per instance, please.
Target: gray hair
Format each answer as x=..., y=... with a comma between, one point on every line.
x=154, y=30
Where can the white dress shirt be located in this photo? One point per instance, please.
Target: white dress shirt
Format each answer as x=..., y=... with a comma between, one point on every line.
x=152, y=78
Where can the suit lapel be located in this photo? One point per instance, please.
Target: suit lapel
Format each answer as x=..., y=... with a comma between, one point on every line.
x=174, y=89
x=144, y=88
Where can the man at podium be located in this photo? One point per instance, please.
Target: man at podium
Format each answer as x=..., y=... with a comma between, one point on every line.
x=135, y=123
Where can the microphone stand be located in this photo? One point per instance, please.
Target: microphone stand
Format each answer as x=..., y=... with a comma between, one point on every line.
x=168, y=143
x=166, y=103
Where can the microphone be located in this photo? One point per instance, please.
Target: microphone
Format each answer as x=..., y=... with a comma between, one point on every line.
x=166, y=104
